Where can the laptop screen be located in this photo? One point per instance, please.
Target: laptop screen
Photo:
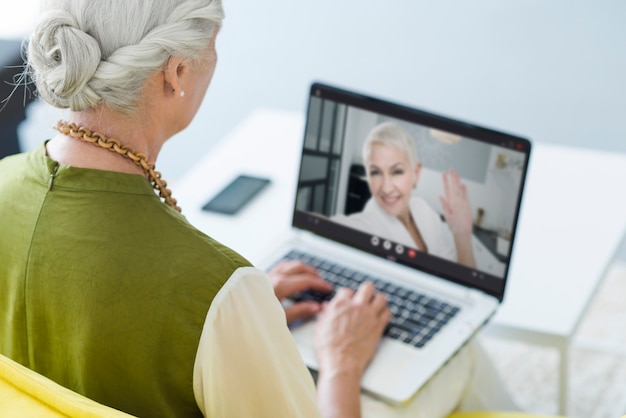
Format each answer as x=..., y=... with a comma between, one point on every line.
x=429, y=192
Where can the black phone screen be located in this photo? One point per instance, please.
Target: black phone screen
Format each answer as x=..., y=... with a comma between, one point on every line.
x=236, y=194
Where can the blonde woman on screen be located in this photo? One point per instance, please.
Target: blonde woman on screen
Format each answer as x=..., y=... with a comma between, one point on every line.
x=396, y=213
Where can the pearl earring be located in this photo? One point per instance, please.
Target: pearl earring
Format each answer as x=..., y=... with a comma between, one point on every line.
x=182, y=93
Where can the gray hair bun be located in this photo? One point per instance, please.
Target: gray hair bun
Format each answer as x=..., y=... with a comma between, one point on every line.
x=65, y=59
x=83, y=54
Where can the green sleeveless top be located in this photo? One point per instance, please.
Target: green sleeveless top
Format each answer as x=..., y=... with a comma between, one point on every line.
x=104, y=288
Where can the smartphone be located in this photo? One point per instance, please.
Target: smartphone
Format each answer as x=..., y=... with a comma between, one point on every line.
x=236, y=194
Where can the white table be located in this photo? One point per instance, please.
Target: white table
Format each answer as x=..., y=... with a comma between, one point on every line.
x=572, y=221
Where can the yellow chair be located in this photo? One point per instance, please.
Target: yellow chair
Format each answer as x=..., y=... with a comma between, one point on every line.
x=498, y=415
x=27, y=394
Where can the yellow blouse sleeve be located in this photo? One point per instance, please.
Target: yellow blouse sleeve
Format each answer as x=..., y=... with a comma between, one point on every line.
x=247, y=363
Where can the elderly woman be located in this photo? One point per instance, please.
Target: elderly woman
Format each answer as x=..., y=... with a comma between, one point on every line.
x=108, y=290
x=394, y=212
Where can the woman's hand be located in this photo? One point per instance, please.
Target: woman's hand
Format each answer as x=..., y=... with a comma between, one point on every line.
x=458, y=212
x=349, y=328
x=289, y=277
x=346, y=336
x=456, y=205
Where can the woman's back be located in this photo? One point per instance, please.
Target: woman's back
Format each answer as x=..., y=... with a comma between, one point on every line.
x=105, y=289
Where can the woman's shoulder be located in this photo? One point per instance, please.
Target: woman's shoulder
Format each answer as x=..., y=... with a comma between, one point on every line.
x=10, y=163
x=15, y=168
x=196, y=244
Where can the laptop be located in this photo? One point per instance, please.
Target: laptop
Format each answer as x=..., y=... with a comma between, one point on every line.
x=438, y=302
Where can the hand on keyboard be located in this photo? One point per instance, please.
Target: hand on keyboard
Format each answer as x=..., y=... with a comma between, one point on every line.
x=290, y=277
x=416, y=318
x=349, y=328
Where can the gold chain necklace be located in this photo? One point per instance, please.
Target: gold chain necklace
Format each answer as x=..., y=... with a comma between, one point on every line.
x=114, y=145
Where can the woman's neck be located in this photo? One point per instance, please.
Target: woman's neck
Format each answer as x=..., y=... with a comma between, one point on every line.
x=414, y=232
x=135, y=130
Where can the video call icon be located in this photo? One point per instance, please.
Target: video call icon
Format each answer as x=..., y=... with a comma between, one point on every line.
x=375, y=241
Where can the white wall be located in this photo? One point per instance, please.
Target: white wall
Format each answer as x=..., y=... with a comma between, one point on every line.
x=497, y=196
x=550, y=70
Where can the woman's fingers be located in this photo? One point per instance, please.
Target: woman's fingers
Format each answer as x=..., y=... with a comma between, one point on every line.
x=302, y=310
x=293, y=266
x=289, y=277
x=365, y=293
x=350, y=327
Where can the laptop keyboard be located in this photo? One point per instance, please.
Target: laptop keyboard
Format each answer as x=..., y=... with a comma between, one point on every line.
x=416, y=318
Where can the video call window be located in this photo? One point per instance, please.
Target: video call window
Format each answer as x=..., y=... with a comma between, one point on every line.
x=333, y=181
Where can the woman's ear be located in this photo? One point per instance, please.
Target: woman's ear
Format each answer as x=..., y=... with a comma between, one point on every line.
x=174, y=73
x=418, y=170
